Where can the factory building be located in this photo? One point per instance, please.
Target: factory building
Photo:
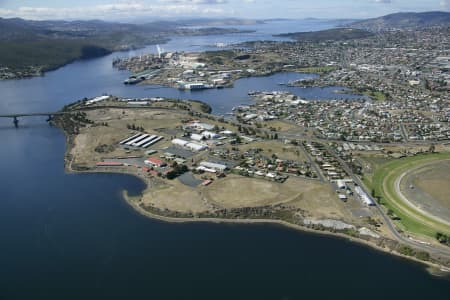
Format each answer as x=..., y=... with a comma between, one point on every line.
x=141, y=140
x=155, y=162
x=189, y=145
x=363, y=196
x=214, y=166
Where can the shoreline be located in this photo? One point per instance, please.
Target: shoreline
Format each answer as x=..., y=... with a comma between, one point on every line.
x=434, y=268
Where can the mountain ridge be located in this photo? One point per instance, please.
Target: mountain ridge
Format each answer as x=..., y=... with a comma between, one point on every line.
x=404, y=20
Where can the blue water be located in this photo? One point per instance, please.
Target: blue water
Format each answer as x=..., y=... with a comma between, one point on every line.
x=72, y=236
x=90, y=78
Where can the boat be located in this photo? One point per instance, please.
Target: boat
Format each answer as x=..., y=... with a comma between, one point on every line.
x=132, y=80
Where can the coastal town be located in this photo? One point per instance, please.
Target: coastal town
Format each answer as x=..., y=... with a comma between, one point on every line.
x=313, y=163
x=196, y=164
x=318, y=164
x=223, y=149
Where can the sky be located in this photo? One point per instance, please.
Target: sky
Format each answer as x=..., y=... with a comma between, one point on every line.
x=172, y=9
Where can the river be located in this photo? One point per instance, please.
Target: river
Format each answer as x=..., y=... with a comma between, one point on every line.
x=72, y=236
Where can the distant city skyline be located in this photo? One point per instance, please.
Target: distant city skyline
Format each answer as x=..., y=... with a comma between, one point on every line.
x=256, y=9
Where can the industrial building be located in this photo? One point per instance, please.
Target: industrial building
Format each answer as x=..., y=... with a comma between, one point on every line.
x=197, y=137
x=155, y=162
x=210, y=135
x=97, y=99
x=198, y=126
x=189, y=145
x=214, y=166
x=364, y=197
x=141, y=140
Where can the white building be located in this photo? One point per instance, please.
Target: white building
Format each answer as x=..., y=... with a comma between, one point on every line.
x=210, y=135
x=97, y=99
x=179, y=142
x=195, y=146
x=341, y=184
x=196, y=137
x=364, y=197
x=214, y=166
x=202, y=168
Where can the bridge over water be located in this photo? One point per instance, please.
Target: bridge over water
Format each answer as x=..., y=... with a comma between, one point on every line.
x=16, y=117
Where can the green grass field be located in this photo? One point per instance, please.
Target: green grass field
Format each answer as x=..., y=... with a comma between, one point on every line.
x=411, y=220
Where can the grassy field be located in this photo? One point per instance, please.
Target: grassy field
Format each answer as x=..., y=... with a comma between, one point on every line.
x=411, y=220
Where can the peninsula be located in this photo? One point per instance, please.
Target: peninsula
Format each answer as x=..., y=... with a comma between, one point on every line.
x=202, y=167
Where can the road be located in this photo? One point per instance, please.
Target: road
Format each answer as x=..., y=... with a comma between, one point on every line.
x=403, y=132
x=313, y=164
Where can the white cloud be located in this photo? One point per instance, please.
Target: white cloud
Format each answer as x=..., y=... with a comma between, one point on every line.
x=118, y=10
x=383, y=1
x=209, y=2
x=445, y=4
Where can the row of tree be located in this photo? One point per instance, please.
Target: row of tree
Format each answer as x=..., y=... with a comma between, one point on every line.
x=443, y=238
x=134, y=127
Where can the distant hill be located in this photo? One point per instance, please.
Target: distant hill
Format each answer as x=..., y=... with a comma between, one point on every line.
x=404, y=21
x=335, y=34
x=219, y=22
x=27, y=46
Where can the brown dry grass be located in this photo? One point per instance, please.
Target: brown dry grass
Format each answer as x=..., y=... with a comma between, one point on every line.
x=176, y=197
x=316, y=198
x=435, y=181
x=280, y=125
x=282, y=151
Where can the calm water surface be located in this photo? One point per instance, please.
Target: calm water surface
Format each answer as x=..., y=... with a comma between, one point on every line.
x=66, y=236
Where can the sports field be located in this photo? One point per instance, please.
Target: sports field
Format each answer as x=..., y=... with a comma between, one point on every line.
x=428, y=187
x=413, y=218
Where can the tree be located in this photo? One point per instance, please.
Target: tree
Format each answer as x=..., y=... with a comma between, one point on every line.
x=432, y=148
